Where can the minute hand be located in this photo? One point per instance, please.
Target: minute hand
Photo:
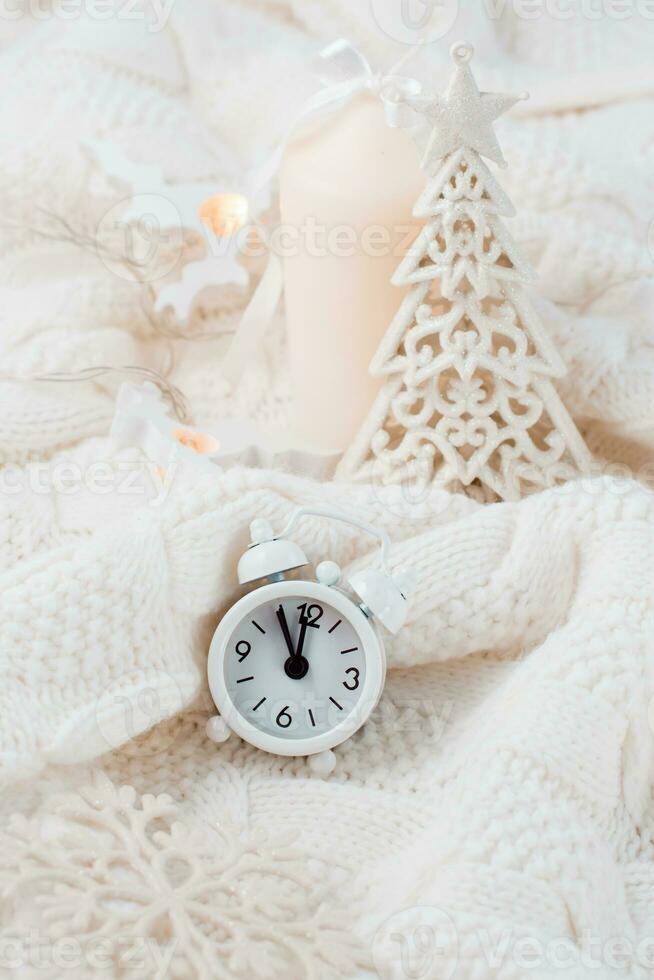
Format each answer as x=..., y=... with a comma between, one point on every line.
x=281, y=616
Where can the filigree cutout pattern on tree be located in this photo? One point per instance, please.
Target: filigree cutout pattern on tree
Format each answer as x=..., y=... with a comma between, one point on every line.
x=221, y=901
x=468, y=401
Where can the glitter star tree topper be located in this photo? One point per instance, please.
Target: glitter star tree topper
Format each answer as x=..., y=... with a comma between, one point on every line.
x=468, y=401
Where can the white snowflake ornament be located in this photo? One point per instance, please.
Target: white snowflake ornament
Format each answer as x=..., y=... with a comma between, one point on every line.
x=156, y=894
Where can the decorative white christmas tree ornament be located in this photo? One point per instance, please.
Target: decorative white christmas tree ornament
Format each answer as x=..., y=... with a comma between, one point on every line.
x=468, y=401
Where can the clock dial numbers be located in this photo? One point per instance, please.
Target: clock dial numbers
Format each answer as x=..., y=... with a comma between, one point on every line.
x=283, y=719
x=243, y=649
x=310, y=614
x=263, y=677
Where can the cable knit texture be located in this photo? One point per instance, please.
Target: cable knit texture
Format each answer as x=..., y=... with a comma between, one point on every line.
x=495, y=817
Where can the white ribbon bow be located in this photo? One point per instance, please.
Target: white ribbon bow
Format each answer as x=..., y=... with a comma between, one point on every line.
x=344, y=72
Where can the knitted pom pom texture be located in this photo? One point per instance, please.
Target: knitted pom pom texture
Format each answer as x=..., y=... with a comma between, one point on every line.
x=495, y=817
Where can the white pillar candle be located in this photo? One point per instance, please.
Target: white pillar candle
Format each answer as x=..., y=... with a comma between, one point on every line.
x=349, y=187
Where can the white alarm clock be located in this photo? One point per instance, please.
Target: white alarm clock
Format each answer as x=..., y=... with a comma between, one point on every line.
x=296, y=666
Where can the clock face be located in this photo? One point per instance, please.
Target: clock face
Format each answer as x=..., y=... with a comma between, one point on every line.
x=299, y=665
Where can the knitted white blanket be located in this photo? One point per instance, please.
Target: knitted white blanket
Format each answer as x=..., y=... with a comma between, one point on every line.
x=495, y=818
